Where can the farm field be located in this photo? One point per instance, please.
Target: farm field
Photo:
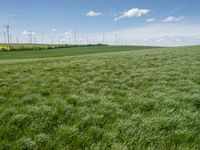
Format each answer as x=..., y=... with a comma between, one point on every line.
x=139, y=99
x=60, y=52
x=30, y=47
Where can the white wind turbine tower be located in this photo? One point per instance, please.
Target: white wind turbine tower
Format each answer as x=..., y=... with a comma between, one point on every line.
x=56, y=37
x=4, y=34
x=8, y=32
x=10, y=38
x=103, y=40
x=74, y=32
x=116, y=38
x=42, y=39
x=52, y=37
x=17, y=40
x=30, y=36
x=35, y=40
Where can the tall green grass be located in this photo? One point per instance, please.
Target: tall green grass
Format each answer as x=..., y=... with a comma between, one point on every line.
x=60, y=52
x=147, y=99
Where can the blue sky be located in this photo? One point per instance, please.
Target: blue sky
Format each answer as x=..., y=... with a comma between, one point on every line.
x=92, y=17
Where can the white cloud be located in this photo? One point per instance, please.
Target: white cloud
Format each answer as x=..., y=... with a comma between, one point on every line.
x=163, y=34
x=93, y=14
x=27, y=33
x=135, y=12
x=177, y=9
x=173, y=19
x=68, y=33
x=55, y=30
x=151, y=20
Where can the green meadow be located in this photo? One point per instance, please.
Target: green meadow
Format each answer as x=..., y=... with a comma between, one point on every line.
x=70, y=51
x=116, y=98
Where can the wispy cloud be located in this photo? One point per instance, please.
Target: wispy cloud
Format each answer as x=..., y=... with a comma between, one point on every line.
x=55, y=30
x=162, y=34
x=93, y=14
x=28, y=33
x=134, y=12
x=154, y=34
x=173, y=19
x=177, y=9
x=151, y=20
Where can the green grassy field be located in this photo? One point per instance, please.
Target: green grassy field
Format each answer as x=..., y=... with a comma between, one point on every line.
x=142, y=99
x=67, y=51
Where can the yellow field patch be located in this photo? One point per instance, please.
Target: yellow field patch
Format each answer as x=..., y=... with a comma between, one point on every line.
x=4, y=47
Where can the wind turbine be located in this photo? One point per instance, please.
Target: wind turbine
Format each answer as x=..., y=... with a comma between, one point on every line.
x=115, y=38
x=8, y=32
x=103, y=42
x=17, y=40
x=35, y=40
x=30, y=35
x=74, y=37
x=4, y=34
